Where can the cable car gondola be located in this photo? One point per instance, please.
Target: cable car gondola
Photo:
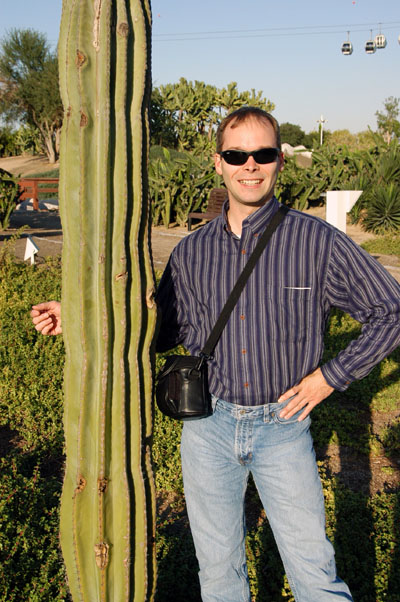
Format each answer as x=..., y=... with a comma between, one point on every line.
x=347, y=47
x=380, y=41
x=370, y=47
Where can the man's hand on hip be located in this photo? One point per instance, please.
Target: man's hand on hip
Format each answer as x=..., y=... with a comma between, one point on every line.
x=310, y=391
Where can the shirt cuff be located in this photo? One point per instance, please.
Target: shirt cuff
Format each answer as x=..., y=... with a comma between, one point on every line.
x=336, y=376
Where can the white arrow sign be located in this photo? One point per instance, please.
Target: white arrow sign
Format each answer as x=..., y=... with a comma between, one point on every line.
x=30, y=250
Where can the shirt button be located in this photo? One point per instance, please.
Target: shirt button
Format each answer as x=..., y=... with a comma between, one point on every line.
x=246, y=385
x=243, y=251
x=242, y=317
x=244, y=351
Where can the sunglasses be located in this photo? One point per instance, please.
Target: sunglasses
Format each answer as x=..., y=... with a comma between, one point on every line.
x=262, y=156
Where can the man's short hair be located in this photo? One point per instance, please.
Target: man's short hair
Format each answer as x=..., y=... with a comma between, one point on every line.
x=244, y=114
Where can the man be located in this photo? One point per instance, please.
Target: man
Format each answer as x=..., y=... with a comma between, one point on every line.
x=265, y=376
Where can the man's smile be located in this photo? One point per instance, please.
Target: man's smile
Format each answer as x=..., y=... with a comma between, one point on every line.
x=251, y=182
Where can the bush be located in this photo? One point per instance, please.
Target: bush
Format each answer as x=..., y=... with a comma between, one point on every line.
x=375, y=171
x=31, y=567
x=30, y=562
x=179, y=183
x=7, y=142
x=331, y=168
x=28, y=141
x=364, y=528
x=31, y=365
x=383, y=212
x=25, y=140
x=8, y=197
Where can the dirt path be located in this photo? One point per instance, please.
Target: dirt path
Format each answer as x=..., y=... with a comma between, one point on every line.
x=25, y=165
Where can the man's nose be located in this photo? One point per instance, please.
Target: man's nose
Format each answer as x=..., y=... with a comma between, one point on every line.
x=251, y=164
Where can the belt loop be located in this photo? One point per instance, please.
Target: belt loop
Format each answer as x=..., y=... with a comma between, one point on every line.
x=266, y=412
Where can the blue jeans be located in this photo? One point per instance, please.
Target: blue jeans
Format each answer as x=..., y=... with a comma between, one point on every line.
x=218, y=453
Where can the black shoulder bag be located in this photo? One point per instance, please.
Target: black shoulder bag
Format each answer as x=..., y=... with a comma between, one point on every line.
x=182, y=384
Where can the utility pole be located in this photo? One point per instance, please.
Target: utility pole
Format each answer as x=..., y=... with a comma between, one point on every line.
x=321, y=122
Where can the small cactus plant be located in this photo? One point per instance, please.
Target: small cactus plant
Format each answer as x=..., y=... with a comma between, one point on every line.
x=107, y=507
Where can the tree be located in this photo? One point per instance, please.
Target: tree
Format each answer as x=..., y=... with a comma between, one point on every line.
x=29, y=85
x=292, y=134
x=387, y=120
x=353, y=142
x=343, y=138
x=162, y=124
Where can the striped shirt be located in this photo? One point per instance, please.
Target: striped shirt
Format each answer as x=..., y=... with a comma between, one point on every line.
x=274, y=336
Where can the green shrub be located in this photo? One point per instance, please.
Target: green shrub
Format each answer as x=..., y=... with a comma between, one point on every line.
x=345, y=418
x=364, y=528
x=31, y=365
x=7, y=141
x=383, y=212
x=365, y=534
x=375, y=171
x=30, y=563
x=179, y=183
x=8, y=197
x=25, y=140
x=28, y=140
x=391, y=438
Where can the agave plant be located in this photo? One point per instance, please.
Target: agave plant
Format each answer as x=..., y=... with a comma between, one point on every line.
x=384, y=210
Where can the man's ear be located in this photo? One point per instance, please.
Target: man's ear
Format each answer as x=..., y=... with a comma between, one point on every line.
x=217, y=163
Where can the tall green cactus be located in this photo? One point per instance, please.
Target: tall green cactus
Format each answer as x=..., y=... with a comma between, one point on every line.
x=107, y=509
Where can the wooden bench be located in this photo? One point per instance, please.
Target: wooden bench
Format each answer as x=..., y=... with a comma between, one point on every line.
x=29, y=189
x=215, y=201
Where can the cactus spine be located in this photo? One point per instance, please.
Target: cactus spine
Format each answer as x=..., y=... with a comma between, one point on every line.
x=107, y=508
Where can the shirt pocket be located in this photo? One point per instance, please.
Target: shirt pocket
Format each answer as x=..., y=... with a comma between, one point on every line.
x=291, y=310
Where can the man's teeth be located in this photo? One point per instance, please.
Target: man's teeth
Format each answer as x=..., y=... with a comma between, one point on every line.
x=250, y=182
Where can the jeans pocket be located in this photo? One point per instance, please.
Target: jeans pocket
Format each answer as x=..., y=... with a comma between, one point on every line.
x=276, y=409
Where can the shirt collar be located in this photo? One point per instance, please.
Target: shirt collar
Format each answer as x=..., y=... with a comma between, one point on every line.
x=258, y=220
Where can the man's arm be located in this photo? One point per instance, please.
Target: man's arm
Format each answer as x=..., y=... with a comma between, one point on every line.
x=360, y=286
x=47, y=317
x=171, y=330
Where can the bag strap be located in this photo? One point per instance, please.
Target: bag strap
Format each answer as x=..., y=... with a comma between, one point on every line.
x=241, y=281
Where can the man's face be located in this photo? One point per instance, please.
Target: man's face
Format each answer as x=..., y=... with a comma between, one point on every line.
x=251, y=184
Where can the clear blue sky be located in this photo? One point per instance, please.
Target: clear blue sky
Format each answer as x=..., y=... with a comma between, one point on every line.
x=288, y=49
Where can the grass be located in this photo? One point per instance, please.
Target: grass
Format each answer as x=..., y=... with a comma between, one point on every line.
x=388, y=244
x=51, y=173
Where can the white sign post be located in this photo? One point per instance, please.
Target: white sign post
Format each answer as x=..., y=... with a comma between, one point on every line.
x=30, y=250
x=338, y=204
